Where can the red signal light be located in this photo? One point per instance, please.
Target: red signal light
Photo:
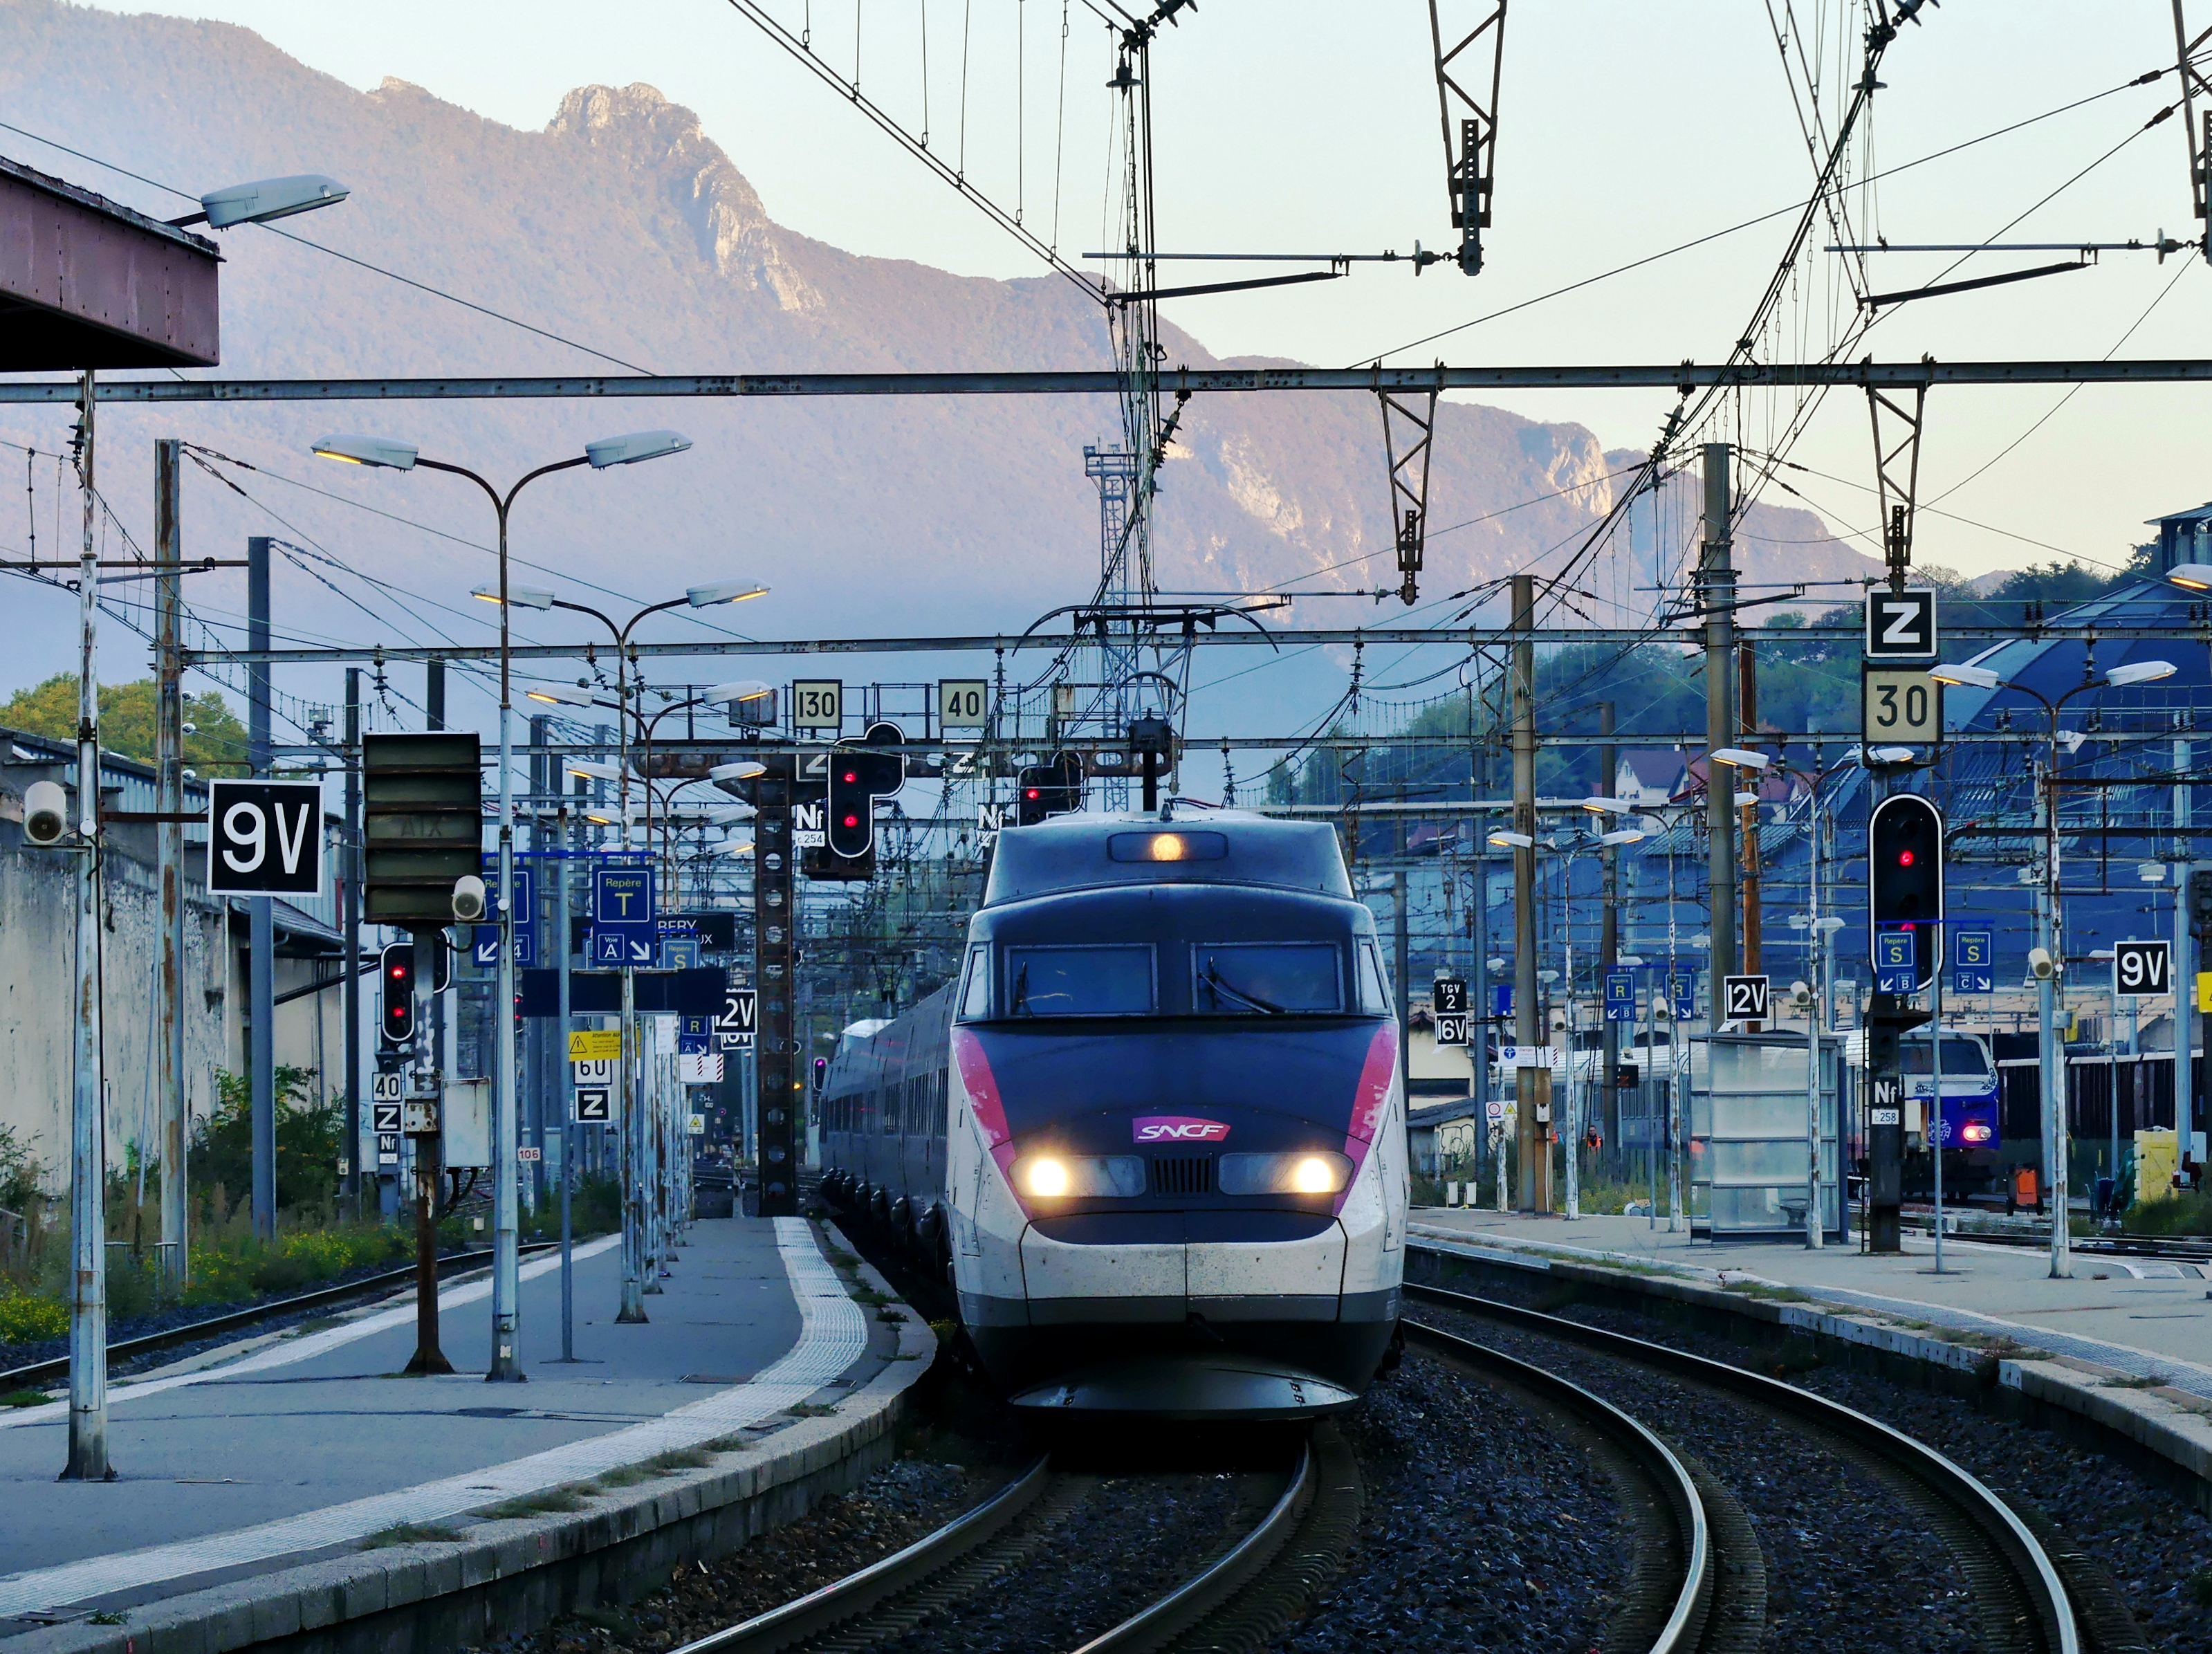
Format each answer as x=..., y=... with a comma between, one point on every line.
x=1032, y=793
x=850, y=776
x=852, y=821
x=1905, y=858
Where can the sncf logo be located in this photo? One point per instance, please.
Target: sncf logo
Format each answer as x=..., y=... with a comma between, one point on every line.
x=1176, y=1129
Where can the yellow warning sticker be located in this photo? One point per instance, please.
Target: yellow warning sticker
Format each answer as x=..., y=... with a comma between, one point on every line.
x=588, y=1044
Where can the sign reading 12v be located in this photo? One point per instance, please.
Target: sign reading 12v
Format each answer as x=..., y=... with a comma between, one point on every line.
x=265, y=838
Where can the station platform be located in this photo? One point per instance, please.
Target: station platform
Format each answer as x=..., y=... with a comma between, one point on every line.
x=300, y=1446
x=2140, y=1316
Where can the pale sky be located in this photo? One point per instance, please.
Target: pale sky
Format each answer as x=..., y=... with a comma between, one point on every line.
x=1625, y=128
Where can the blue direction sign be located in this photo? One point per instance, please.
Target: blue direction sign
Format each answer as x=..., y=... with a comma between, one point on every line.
x=1620, y=996
x=1682, y=990
x=1973, y=960
x=694, y=1035
x=1894, y=970
x=622, y=928
x=1501, y=998
x=485, y=942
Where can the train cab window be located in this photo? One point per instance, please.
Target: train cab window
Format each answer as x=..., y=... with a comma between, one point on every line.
x=1079, y=981
x=975, y=994
x=1374, y=995
x=1962, y=1058
x=1266, y=979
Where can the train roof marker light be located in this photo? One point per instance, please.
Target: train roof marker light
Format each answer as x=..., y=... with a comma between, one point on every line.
x=2138, y=672
x=1964, y=677
x=2190, y=576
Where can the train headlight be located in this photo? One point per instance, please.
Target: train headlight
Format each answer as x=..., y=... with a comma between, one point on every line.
x=1315, y=1171
x=1063, y=1176
x=1975, y=1132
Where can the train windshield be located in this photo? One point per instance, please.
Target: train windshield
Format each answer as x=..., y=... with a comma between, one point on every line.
x=1079, y=981
x=1962, y=1058
x=1266, y=979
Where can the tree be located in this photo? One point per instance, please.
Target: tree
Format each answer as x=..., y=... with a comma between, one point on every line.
x=216, y=746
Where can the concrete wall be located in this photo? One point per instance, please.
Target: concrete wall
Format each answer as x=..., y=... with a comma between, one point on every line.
x=38, y=954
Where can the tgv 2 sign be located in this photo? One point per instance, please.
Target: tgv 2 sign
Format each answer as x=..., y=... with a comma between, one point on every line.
x=265, y=838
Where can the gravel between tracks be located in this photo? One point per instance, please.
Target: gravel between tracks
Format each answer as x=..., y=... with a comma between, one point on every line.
x=2151, y=1543
x=1836, y=1543
x=1484, y=1529
x=1132, y=1540
x=841, y=1534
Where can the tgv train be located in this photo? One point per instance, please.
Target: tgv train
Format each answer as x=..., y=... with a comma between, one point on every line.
x=1155, y=1132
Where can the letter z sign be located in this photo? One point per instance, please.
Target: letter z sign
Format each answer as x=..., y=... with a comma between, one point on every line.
x=265, y=838
x=1900, y=626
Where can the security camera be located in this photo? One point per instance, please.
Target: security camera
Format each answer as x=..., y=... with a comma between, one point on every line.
x=1801, y=995
x=2040, y=964
x=46, y=813
x=468, y=899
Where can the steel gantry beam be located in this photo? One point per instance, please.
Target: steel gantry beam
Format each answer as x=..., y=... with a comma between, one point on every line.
x=1461, y=637
x=1681, y=376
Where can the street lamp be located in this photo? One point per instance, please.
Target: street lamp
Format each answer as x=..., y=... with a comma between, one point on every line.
x=264, y=201
x=2054, y=1096
x=390, y=455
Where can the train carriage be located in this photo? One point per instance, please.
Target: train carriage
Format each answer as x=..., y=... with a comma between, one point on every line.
x=1154, y=1132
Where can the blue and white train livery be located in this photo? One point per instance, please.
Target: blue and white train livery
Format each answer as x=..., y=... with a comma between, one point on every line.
x=1155, y=1134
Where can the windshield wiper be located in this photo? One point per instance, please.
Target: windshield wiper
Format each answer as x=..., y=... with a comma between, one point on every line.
x=1214, y=980
x=1021, y=993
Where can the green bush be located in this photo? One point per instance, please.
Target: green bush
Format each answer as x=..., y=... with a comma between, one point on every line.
x=307, y=1141
x=28, y=1318
x=2188, y=1212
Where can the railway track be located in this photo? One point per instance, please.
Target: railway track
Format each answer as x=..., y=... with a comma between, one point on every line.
x=1240, y=1600
x=2021, y=1597
x=39, y=1373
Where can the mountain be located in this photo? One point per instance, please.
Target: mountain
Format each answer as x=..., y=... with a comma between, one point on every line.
x=622, y=226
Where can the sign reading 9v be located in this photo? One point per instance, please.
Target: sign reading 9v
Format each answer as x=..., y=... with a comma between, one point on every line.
x=265, y=838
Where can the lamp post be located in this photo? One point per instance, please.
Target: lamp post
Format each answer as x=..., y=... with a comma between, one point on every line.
x=634, y=1140
x=2051, y=1061
x=630, y=449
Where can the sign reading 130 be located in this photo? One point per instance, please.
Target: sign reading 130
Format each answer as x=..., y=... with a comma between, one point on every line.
x=818, y=704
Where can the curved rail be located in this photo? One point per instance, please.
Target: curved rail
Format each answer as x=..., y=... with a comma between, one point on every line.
x=1197, y=1597
x=41, y=1373
x=856, y=1593
x=1686, y=1620
x=2034, y=1573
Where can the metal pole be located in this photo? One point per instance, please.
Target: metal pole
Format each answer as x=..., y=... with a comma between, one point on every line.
x=559, y=939
x=1608, y=939
x=1480, y=1024
x=2186, y=1020
x=261, y=926
x=88, y=1438
x=352, y=921
x=506, y=1250
x=1576, y=1087
x=169, y=859
x=1717, y=591
x=633, y=1216
x=1935, y=1122
x=429, y=1356
x=1400, y=961
x=1812, y=1213
x=2052, y=1054
x=1532, y=1086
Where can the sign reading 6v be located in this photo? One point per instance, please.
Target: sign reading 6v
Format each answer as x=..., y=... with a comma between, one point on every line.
x=265, y=838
